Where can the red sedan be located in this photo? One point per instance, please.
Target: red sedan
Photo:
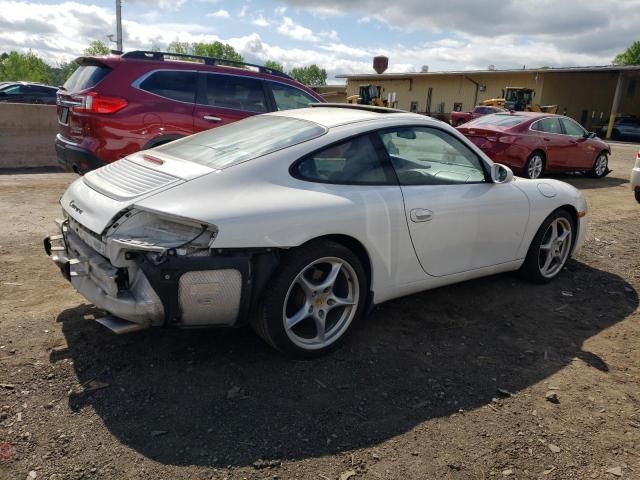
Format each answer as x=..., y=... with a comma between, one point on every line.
x=533, y=144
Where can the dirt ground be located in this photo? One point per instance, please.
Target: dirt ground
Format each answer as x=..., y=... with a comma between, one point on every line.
x=446, y=384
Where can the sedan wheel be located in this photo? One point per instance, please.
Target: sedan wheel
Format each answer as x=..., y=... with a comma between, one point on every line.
x=550, y=248
x=534, y=166
x=314, y=300
x=600, y=166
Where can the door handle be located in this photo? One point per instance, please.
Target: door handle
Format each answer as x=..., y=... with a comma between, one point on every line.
x=420, y=215
x=546, y=139
x=211, y=118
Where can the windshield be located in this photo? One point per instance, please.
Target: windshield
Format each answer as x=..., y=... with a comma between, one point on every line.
x=498, y=120
x=244, y=140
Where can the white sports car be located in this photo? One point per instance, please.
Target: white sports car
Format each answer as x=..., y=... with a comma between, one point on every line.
x=296, y=222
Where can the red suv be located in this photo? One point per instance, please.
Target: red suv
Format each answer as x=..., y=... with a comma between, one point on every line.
x=115, y=105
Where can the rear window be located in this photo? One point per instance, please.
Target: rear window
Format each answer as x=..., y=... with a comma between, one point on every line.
x=86, y=76
x=244, y=140
x=497, y=119
x=175, y=85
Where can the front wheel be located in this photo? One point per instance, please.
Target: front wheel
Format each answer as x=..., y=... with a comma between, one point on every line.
x=600, y=166
x=550, y=248
x=534, y=166
x=313, y=301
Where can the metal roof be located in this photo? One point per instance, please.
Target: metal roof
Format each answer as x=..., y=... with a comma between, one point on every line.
x=592, y=69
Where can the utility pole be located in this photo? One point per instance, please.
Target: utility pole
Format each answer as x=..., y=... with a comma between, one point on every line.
x=119, y=25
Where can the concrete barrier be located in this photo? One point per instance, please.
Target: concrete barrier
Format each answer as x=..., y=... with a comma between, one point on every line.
x=27, y=133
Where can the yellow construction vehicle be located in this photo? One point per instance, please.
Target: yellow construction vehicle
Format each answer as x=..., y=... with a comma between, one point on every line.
x=519, y=99
x=369, y=95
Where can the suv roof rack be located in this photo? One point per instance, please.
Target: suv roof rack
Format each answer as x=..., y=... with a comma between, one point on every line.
x=161, y=56
x=357, y=106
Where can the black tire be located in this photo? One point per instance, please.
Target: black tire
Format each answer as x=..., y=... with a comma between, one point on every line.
x=531, y=268
x=600, y=167
x=636, y=193
x=269, y=323
x=529, y=170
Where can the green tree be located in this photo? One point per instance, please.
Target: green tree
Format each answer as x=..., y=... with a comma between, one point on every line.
x=60, y=74
x=310, y=75
x=23, y=66
x=631, y=56
x=220, y=50
x=96, y=48
x=273, y=65
x=179, y=47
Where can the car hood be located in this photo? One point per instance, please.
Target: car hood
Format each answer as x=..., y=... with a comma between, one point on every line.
x=95, y=199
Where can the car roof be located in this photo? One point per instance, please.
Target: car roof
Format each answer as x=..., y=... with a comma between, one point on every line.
x=334, y=115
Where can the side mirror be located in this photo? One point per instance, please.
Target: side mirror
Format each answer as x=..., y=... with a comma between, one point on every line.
x=501, y=173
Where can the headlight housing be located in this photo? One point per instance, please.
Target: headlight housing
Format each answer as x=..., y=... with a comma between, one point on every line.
x=142, y=230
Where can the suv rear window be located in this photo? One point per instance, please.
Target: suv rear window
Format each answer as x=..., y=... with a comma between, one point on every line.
x=175, y=85
x=86, y=76
x=244, y=140
x=498, y=119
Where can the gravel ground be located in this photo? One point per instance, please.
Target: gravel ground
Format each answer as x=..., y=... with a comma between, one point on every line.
x=493, y=378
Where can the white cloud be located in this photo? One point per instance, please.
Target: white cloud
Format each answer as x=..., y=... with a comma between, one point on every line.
x=243, y=11
x=291, y=29
x=222, y=13
x=260, y=21
x=279, y=11
x=331, y=35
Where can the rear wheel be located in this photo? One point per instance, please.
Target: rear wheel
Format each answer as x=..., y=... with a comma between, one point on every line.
x=534, y=166
x=550, y=248
x=600, y=166
x=313, y=301
x=637, y=194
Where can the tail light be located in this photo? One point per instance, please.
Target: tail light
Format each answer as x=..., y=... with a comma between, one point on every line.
x=508, y=139
x=93, y=102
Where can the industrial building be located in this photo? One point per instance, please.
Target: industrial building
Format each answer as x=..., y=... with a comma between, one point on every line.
x=590, y=95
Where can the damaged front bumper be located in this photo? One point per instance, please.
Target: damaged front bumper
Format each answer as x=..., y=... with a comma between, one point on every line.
x=152, y=289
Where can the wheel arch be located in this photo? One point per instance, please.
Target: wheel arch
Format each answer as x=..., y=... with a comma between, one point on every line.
x=355, y=246
x=160, y=140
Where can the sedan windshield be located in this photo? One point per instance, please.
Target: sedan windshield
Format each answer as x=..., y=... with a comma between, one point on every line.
x=244, y=140
x=498, y=120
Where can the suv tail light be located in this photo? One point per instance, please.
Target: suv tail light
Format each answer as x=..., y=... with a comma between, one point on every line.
x=93, y=102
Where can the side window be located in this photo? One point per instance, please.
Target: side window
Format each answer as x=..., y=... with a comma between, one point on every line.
x=288, y=98
x=236, y=92
x=428, y=156
x=16, y=90
x=572, y=128
x=354, y=161
x=175, y=85
x=548, y=125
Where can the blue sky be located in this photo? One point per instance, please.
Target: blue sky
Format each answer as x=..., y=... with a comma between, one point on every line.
x=339, y=35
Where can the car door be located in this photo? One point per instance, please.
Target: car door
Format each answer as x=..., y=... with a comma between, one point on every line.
x=582, y=152
x=171, y=101
x=551, y=140
x=224, y=98
x=458, y=219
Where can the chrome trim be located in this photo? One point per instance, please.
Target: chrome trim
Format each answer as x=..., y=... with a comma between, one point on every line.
x=70, y=103
x=64, y=140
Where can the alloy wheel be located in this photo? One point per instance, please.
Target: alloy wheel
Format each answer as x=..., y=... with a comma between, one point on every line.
x=555, y=247
x=321, y=303
x=602, y=163
x=534, y=166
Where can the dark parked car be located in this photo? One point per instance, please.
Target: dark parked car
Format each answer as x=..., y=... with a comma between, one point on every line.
x=116, y=105
x=27, y=92
x=533, y=144
x=625, y=128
